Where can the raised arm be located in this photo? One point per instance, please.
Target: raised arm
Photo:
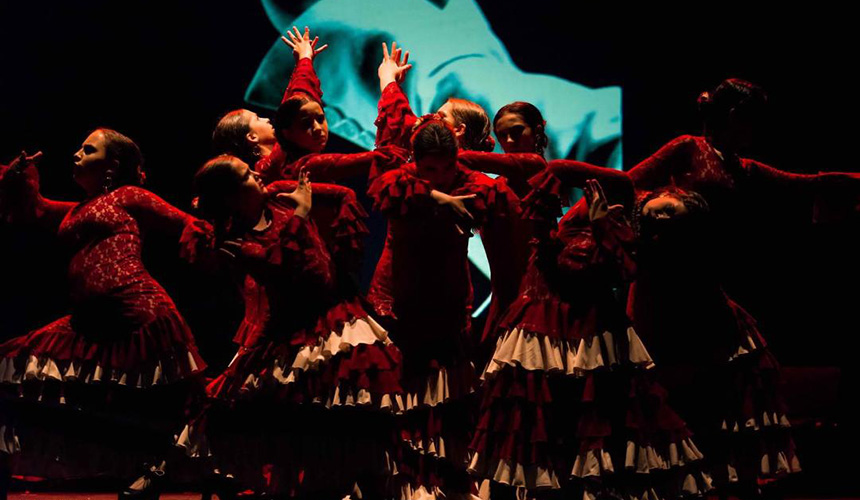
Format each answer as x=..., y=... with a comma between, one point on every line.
x=395, y=120
x=20, y=200
x=304, y=79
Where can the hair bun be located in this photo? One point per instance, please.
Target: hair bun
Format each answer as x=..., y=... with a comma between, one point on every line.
x=488, y=144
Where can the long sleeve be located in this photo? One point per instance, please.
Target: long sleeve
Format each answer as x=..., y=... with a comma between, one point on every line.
x=152, y=212
x=395, y=119
x=517, y=168
x=335, y=167
x=297, y=257
x=304, y=81
x=659, y=169
x=339, y=216
x=20, y=200
x=603, y=248
x=396, y=192
x=617, y=185
x=832, y=196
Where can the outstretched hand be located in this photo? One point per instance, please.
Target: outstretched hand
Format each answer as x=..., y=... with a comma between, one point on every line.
x=596, y=200
x=301, y=43
x=19, y=186
x=392, y=68
x=457, y=205
x=302, y=195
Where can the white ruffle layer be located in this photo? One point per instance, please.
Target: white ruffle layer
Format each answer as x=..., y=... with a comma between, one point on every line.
x=570, y=357
x=193, y=440
x=361, y=331
x=408, y=492
x=438, y=388
x=767, y=420
x=747, y=346
x=9, y=440
x=515, y=474
x=784, y=464
x=644, y=459
x=45, y=369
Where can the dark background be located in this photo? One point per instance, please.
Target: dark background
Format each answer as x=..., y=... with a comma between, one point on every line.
x=163, y=73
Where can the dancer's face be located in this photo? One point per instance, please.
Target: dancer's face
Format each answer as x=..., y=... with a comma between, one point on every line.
x=92, y=163
x=439, y=170
x=260, y=129
x=514, y=134
x=309, y=130
x=446, y=113
x=250, y=195
x=664, y=208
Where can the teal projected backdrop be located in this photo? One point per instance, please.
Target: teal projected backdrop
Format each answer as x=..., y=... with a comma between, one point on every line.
x=454, y=53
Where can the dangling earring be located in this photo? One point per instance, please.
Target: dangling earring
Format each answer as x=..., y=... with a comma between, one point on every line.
x=108, y=182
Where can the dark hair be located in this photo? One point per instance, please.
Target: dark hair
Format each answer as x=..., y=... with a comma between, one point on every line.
x=697, y=207
x=532, y=117
x=433, y=137
x=214, y=182
x=129, y=169
x=732, y=95
x=286, y=115
x=477, y=135
x=230, y=137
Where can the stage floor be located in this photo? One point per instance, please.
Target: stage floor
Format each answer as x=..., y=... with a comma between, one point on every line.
x=93, y=496
x=174, y=496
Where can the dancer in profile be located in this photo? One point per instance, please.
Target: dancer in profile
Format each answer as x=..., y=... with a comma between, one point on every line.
x=723, y=380
x=568, y=392
x=506, y=240
x=300, y=132
x=683, y=271
x=310, y=392
x=104, y=387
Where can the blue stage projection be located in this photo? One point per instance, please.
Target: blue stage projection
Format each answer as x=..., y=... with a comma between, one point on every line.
x=454, y=53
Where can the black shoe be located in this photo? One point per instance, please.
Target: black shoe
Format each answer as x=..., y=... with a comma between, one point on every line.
x=149, y=486
x=224, y=485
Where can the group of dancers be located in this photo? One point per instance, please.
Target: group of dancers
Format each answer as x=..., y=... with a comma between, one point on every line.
x=612, y=363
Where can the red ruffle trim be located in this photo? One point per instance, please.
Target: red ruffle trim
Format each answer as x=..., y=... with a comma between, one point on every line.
x=546, y=198
x=551, y=317
x=494, y=199
x=349, y=229
x=394, y=191
x=395, y=120
x=197, y=241
x=165, y=346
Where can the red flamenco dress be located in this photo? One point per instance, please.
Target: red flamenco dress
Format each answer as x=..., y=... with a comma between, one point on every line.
x=101, y=390
x=504, y=239
x=568, y=393
x=283, y=164
x=423, y=289
x=312, y=387
x=725, y=370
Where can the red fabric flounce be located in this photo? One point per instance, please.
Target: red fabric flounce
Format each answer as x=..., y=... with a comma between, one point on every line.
x=395, y=120
x=550, y=316
x=546, y=198
x=160, y=352
x=394, y=191
x=197, y=240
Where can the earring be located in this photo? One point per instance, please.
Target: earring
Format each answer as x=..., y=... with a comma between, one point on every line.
x=108, y=182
